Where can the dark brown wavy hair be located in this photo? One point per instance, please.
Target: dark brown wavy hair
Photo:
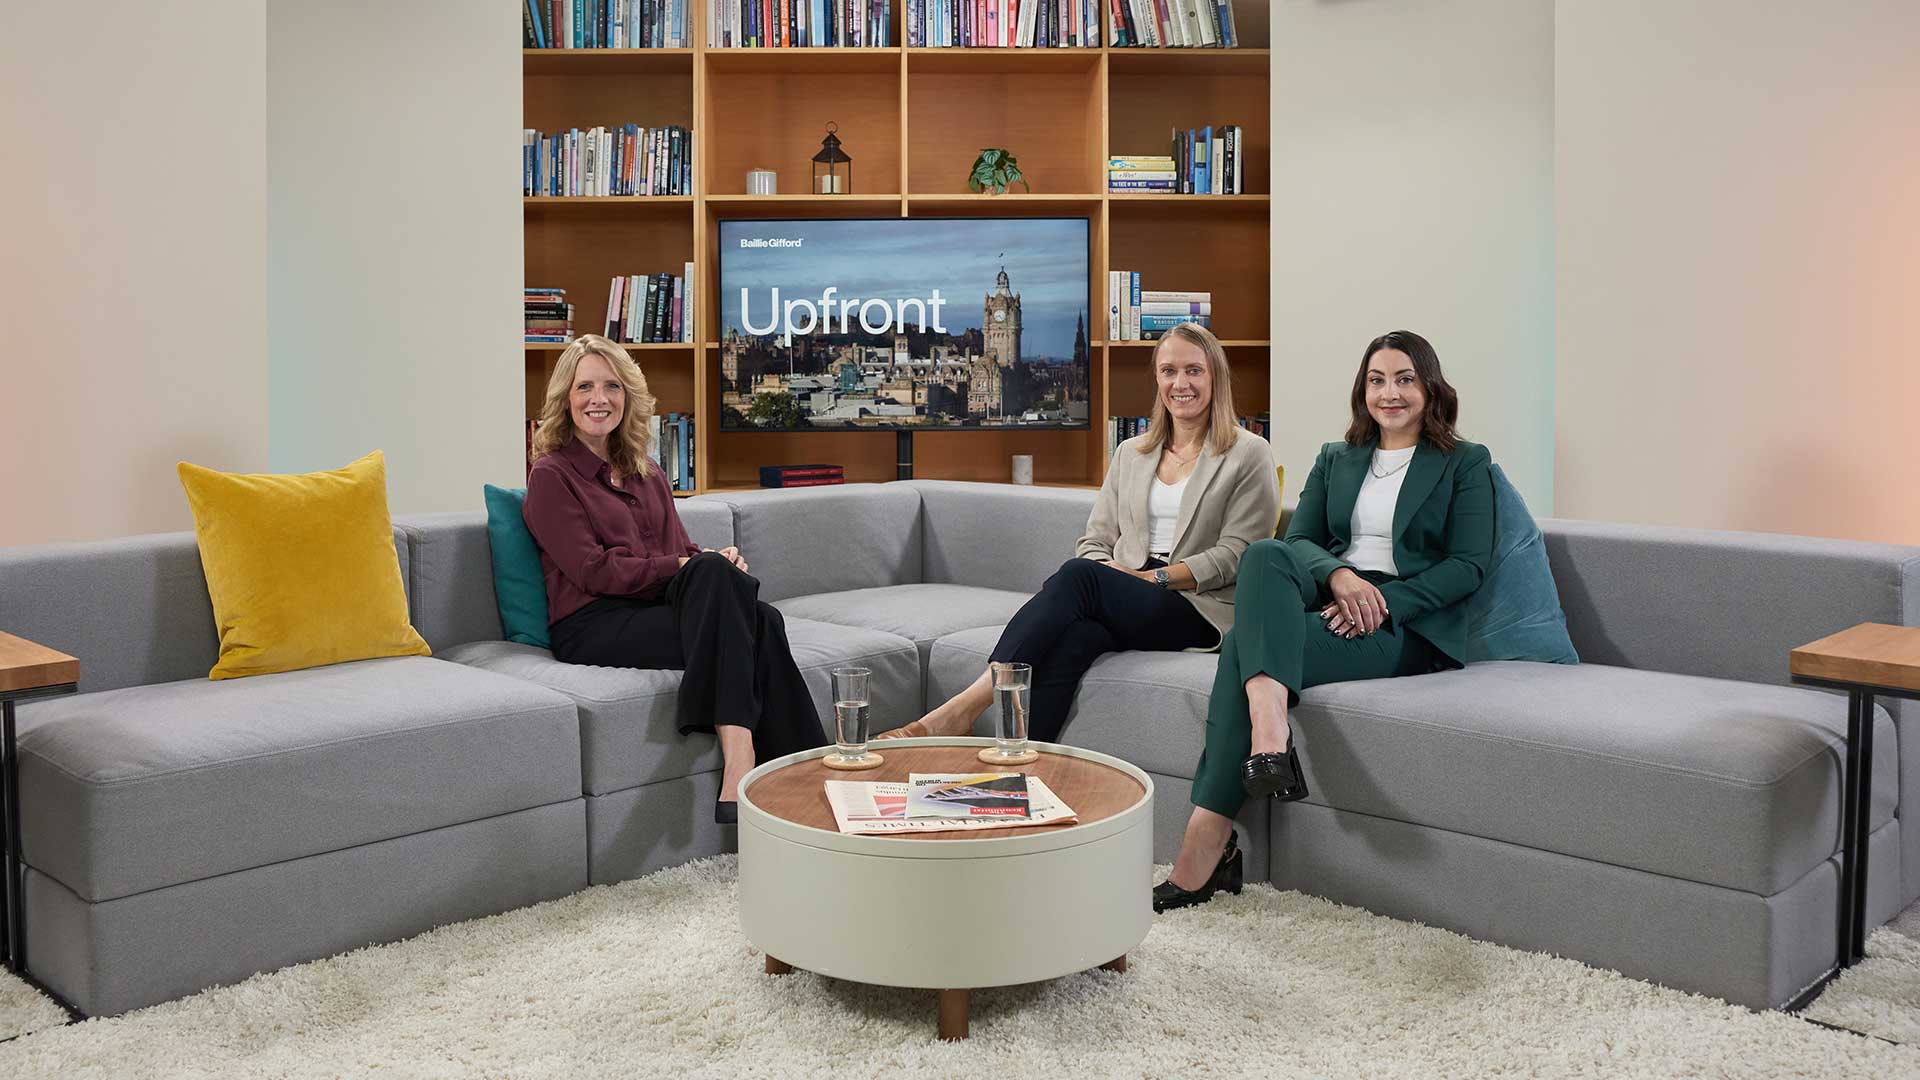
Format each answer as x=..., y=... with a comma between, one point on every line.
x=1443, y=404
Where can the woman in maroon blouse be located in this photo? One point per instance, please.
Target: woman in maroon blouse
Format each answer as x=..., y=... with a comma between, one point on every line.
x=627, y=588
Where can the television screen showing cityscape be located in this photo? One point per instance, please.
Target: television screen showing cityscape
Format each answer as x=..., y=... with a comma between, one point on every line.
x=901, y=324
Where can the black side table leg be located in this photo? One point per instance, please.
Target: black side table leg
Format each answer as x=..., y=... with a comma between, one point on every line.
x=1860, y=730
x=11, y=928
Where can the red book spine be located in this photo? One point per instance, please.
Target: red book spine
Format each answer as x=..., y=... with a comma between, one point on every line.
x=810, y=483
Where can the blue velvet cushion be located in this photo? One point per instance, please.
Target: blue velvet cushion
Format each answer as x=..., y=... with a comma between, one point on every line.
x=1515, y=614
x=519, y=587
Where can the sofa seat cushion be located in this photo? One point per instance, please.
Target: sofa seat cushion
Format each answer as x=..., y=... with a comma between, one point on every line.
x=629, y=726
x=129, y=790
x=1718, y=781
x=919, y=613
x=1710, y=780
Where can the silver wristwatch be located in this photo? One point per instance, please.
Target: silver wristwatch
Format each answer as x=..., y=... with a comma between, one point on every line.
x=1162, y=579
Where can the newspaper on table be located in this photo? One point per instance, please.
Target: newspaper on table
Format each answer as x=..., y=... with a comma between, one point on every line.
x=880, y=809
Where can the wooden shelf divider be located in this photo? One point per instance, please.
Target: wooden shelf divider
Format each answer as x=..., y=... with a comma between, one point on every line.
x=912, y=118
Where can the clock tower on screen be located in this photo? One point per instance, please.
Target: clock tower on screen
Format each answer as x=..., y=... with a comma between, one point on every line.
x=1002, y=342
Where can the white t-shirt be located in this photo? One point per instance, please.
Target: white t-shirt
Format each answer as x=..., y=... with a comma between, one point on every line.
x=1163, y=513
x=1372, y=526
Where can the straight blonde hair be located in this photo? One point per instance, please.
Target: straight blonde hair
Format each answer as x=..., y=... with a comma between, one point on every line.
x=1222, y=427
x=630, y=446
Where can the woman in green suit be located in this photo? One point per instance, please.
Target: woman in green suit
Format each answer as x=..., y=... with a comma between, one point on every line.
x=1394, y=529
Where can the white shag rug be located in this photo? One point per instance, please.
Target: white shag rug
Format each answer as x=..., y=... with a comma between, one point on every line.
x=653, y=977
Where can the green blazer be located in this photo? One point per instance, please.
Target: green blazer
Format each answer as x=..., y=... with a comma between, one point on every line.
x=1442, y=533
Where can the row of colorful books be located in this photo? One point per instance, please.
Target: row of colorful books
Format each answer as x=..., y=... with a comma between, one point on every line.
x=549, y=316
x=1176, y=24
x=1122, y=428
x=1207, y=161
x=1047, y=24
x=623, y=160
x=673, y=448
x=788, y=476
x=1136, y=314
x=647, y=308
x=604, y=24
x=778, y=24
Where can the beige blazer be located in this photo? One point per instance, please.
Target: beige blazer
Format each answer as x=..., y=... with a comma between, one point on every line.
x=1231, y=500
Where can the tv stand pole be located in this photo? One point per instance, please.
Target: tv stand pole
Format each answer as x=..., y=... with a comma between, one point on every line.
x=903, y=455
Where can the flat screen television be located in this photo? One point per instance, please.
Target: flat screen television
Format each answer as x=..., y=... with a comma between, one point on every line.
x=904, y=324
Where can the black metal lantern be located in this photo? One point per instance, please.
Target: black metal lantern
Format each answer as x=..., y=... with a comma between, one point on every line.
x=832, y=168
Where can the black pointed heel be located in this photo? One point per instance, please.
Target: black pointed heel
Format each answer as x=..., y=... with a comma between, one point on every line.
x=1277, y=775
x=1229, y=875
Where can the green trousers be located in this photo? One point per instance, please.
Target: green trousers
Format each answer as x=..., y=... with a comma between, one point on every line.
x=1277, y=631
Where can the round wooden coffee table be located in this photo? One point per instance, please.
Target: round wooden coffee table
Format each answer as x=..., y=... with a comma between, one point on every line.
x=947, y=911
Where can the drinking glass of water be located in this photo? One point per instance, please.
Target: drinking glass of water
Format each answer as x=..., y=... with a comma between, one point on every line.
x=1012, y=691
x=850, y=714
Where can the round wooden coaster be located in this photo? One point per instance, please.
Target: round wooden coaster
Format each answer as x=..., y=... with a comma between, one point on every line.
x=992, y=756
x=868, y=760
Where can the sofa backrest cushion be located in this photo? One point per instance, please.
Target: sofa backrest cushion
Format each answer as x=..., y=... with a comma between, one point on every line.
x=519, y=581
x=999, y=536
x=802, y=541
x=1515, y=613
x=1723, y=604
x=134, y=610
x=452, y=581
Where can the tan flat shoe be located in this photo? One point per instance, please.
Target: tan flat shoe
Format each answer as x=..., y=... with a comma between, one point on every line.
x=916, y=730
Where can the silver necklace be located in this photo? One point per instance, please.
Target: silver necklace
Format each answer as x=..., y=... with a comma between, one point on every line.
x=1374, y=466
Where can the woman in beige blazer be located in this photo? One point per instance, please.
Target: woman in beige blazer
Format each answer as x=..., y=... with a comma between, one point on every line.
x=1156, y=567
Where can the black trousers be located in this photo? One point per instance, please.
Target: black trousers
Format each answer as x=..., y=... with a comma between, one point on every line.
x=710, y=624
x=1086, y=609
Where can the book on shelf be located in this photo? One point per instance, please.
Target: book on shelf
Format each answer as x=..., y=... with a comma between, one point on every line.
x=1174, y=24
x=782, y=476
x=624, y=160
x=549, y=318
x=1136, y=314
x=1204, y=161
x=604, y=24
x=788, y=24
x=1122, y=428
x=674, y=444
x=1003, y=24
x=646, y=309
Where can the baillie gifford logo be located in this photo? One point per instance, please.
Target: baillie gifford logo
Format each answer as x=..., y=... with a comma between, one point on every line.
x=771, y=241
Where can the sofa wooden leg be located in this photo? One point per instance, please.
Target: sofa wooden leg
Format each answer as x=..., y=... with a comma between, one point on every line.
x=956, y=1008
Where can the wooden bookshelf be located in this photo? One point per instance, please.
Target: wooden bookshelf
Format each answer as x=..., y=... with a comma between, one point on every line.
x=912, y=119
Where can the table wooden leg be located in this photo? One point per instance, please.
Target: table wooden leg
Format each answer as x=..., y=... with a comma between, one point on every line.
x=778, y=967
x=1119, y=963
x=956, y=1007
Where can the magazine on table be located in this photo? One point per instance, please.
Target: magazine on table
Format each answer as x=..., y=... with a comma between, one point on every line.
x=880, y=808
x=967, y=795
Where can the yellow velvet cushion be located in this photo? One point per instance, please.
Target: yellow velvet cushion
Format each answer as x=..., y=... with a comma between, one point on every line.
x=301, y=569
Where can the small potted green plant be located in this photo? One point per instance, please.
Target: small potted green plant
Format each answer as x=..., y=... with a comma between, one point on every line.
x=996, y=169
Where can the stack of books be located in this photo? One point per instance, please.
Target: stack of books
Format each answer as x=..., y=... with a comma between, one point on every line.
x=626, y=159
x=1178, y=24
x=673, y=449
x=603, y=24
x=967, y=24
x=786, y=24
x=792, y=476
x=549, y=316
x=646, y=308
x=1141, y=174
x=1122, y=428
x=1134, y=314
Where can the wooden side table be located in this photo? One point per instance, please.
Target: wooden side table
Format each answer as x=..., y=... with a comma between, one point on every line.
x=1869, y=659
x=27, y=671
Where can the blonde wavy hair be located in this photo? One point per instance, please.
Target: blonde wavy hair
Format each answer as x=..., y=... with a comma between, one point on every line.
x=630, y=446
x=1222, y=427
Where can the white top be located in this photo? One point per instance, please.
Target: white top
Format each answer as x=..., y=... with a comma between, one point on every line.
x=1163, y=513
x=1372, y=527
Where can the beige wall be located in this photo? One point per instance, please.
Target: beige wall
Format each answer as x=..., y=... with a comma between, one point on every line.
x=394, y=238
x=1413, y=189
x=130, y=282
x=1739, y=264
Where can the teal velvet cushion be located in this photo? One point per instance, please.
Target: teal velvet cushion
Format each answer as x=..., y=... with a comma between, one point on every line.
x=518, y=584
x=1515, y=614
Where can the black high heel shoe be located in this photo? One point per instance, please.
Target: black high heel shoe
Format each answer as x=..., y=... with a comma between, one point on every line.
x=1277, y=775
x=1228, y=874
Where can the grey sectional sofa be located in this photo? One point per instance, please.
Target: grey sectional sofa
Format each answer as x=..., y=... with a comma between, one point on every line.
x=1669, y=808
